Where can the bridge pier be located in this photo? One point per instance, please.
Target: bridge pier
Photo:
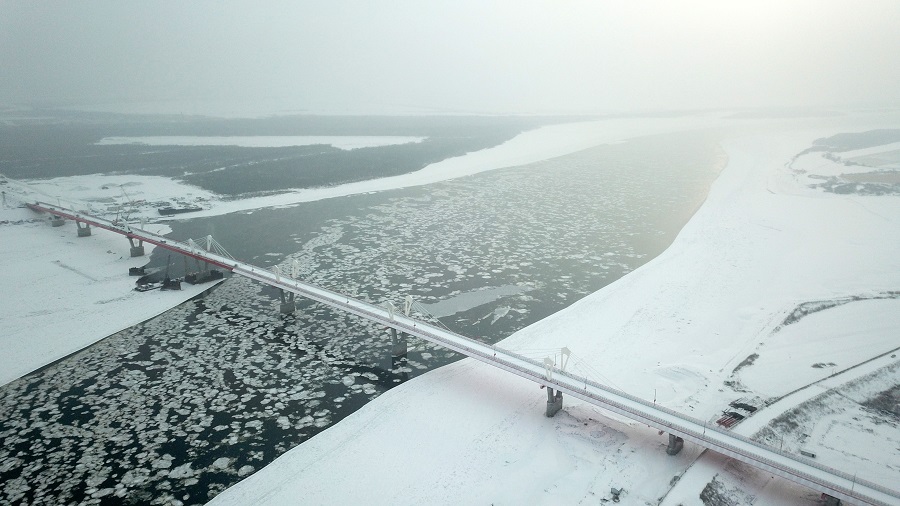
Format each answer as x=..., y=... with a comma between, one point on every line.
x=57, y=221
x=675, y=444
x=84, y=229
x=137, y=248
x=398, y=344
x=288, y=305
x=554, y=402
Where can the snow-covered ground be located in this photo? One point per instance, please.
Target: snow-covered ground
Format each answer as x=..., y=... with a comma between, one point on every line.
x=682, y=329
x=266, y=141
x=62, y=292
x=130, y=197
x=677, y=330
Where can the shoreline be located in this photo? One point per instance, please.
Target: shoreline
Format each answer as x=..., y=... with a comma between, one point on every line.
x=531, y=146
x=672, y=326
x=71, y=293
x=209, y=288
x=659, y=310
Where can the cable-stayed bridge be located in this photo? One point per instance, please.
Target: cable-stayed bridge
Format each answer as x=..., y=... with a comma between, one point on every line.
x=680, y=427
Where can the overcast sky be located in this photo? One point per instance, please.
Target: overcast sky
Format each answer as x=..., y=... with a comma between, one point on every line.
x=450, y=56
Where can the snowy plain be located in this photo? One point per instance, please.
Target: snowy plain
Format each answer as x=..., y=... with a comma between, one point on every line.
x=266, y=141
x=674, y=330
x=677, y=330
x=63, y=292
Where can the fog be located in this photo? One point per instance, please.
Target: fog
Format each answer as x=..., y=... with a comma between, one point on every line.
x=507, y=56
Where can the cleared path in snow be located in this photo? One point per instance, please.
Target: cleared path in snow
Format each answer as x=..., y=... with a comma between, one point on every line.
x=792, y=467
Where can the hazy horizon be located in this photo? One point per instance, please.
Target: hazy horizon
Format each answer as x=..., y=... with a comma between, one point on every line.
x=502, y=57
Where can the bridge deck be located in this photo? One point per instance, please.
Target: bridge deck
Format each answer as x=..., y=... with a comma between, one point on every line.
x=792, y=467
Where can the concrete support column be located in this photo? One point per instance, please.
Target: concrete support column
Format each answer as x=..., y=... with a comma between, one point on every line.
x=554, y=402
x=675, y=444
x=287, y=302
x=828, y=500
x=398, y=344
x=137, y=247
x=57, y=221
x=84, y=229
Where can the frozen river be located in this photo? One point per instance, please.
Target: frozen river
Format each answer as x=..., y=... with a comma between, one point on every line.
x=188, y=403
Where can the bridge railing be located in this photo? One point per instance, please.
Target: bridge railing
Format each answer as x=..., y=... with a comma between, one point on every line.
x=648, y=415
x=701, y=436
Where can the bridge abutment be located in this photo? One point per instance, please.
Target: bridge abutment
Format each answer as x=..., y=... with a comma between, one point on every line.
x=84, y=229
x=288, y=305
x=675, y=444
x=554, y=402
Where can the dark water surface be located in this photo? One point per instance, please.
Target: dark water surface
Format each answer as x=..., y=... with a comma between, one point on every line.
x=66, y=145
x=184, y=405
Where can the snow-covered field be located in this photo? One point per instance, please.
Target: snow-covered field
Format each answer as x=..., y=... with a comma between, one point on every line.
x=266, y=141
x=129, y=197
x=63, y=292
x=678, y=328
x=681, y=330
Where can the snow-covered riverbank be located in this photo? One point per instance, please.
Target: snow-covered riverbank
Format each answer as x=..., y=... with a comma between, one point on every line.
x=696, y=328
x=689, y=329
x=63, y=292
x=139, y=196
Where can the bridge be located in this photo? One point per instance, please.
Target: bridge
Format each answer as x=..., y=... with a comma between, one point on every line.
x=835, y=483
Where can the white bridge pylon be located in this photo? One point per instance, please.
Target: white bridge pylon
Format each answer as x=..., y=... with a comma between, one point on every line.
x=550, y=363
x=407, y=306
x=835, y=483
